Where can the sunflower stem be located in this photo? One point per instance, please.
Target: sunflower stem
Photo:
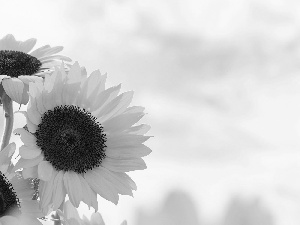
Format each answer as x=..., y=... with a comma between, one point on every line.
x=9, y=119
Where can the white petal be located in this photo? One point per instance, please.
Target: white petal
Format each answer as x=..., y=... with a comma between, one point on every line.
x=26, y=137
x=139, y=130
x=121, y=122
x=70, y=211
x=47, y=93
x=13, y=88
x=28, y=78
x=128, y=152
x=31, y=126
x=103, y=98
x=25, y=96
x=58, y=88
x=75, y=75
x=33, y=113
x=126, y=179
x=134, y=109
x=46, y=192
x=6, y=153
x=121, y=185
x=30, y=172
x=92, y=85
x=26, y=163
x=47, y=59
x=70, y=93
x=73, y=187
x=7, y=220
x=101, y=186
x=96, y=219
x=46, y=50
x=125, y=140
x=9, y=42
x=54, y=50
x=3, y=77
x=124, y=165
x=89, y=197
x=27, y=45
x=92, y=95
x=40, y=52
x=115, y=107
x=35, y=92
x=59, y=192
x=29, y=152
x=30, y=209
x=45, y=170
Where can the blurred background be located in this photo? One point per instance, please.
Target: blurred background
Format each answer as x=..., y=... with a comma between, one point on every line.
x=220, y=81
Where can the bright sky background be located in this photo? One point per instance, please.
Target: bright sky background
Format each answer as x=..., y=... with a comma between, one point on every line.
x=220, y=83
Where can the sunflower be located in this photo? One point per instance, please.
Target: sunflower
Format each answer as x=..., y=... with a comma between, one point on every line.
x=19, y=65
x=16, y=193
x=81, y=139
x=70, y=216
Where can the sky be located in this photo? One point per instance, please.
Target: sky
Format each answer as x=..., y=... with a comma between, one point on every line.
x=220, y=84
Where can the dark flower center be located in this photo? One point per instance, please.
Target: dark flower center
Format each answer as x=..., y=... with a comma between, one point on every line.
x=9, y=202
x=71, y=139
x=14, y=63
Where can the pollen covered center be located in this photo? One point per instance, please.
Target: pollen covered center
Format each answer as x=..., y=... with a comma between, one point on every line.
x=9, y=201
x=71, y=139
x=15, y=63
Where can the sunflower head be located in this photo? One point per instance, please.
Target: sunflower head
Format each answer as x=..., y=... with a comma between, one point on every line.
x=9, y=202
x=15, y=63
x=71, y=139
x=82, y=139
x=16, y=193
x=19, y=65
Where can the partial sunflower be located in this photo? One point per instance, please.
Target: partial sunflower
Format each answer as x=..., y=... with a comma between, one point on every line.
x=19, y=65
x=70, y=216
x=16, y=204
x=81, y=139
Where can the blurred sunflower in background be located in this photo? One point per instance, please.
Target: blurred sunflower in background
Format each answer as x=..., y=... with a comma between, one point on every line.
x=19, y=65
x=81, y=139
x=16, y=193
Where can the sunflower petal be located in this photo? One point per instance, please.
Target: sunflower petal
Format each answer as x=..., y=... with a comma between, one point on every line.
x=121, y=186
x=128, y=152
x=73, y=187
x=115, y=107
x=45, y=170
x=8, y=42
x=104, y=97
x=27, y=45
x=122, y=122
x=29, y=152
x=139, y=130
x=26, y=163
x=101, y=186
x=26, y=137
x=33, y=113
x=30, y=172
x=124, y=165
x=27, y=79
x=13, y=88
x=46, y=192
x=59, y=192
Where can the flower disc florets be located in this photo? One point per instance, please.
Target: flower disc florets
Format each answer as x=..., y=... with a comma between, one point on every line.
x=8, y=199
x=15, y=63
x=71, y=139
